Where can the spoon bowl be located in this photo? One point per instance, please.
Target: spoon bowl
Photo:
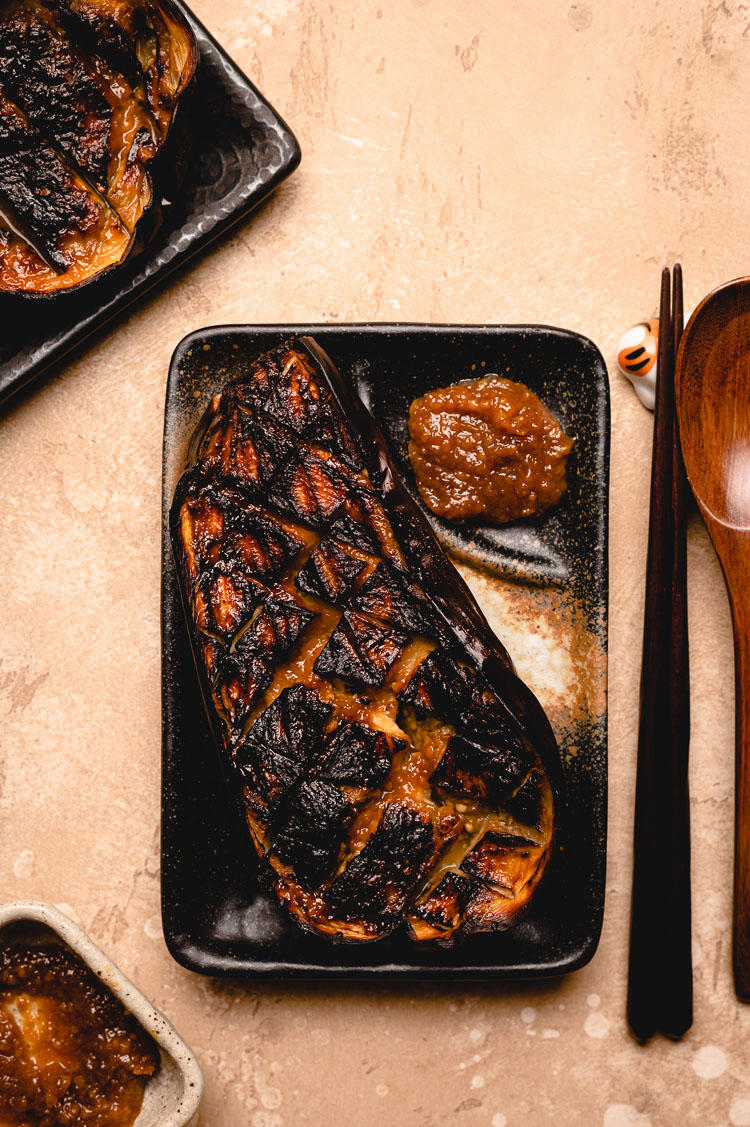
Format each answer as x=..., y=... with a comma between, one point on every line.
x=713, y=409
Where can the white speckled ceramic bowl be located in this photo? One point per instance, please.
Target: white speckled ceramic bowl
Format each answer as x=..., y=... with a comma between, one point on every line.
x=172, y=1096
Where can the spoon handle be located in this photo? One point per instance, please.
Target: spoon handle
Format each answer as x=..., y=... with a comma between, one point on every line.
x=733, y=549
x=741, y=911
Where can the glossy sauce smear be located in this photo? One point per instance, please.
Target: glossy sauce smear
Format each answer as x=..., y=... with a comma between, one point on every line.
x=69, y=1051
x=487, y=449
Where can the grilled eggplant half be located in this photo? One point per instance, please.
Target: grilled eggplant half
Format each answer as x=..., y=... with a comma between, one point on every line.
x=392, y=769
x=88, y=93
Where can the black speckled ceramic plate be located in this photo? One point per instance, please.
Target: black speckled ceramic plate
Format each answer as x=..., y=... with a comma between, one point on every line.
x=240, y=150
x=217, y=917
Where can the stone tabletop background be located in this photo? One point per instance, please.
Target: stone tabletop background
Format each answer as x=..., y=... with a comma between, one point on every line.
x=463, y=161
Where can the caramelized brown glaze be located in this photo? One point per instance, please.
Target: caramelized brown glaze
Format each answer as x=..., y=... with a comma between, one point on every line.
x=69, y=1051
x=487, y=449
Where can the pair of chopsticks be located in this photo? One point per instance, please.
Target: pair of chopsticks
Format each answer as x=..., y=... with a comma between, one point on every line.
x=660, y=984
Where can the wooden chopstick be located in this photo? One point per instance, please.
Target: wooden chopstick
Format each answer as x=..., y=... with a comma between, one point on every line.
x=660, y=985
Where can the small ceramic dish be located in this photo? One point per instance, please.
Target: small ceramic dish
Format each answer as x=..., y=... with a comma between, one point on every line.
x=172, y=1096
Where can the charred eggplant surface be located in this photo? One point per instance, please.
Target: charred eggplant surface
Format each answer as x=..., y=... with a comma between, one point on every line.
x=88, y=93
x=391, y=768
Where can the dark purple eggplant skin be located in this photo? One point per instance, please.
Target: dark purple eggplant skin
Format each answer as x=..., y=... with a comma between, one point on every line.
x=457, y=615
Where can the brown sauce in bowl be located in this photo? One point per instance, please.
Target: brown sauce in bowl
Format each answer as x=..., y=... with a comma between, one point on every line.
x=487, y=449
x=70, y=1053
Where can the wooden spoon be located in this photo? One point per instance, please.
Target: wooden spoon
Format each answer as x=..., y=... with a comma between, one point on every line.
x=713, y=409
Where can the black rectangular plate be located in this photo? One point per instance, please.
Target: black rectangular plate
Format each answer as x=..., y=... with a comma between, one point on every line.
x=240, y=151
x=217, y=918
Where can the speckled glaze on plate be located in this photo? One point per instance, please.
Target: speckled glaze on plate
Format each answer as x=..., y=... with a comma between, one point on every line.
x=239, y=151
x=218, y=918
x=171, y=1097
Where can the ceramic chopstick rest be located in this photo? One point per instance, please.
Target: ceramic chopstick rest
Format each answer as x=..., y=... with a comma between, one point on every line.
x=637, y=359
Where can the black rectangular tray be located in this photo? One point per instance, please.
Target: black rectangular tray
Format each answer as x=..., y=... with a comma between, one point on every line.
x=217, y=917
x=240, y=150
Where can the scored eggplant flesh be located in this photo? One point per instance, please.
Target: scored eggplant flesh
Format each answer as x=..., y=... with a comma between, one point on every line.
x=95, y=122
x=386, y=779
x=42, y=194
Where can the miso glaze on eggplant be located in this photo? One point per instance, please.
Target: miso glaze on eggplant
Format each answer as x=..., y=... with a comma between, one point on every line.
x=392, y=769
x=88, y=92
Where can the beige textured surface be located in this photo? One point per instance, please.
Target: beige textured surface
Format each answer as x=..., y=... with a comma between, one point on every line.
x=463, y=161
